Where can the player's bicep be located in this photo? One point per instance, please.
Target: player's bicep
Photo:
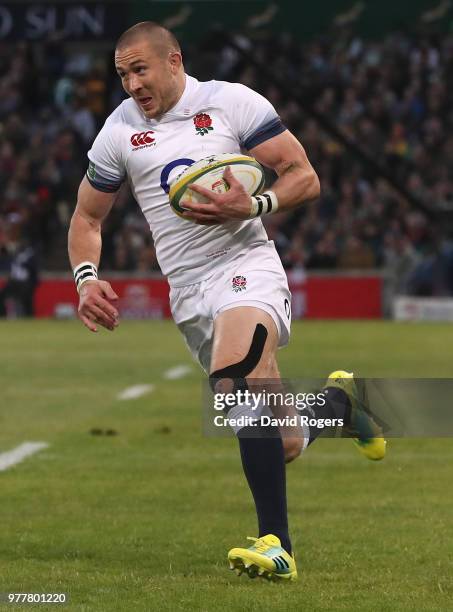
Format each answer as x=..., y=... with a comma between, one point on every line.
x=93, y=205
x=281, y=153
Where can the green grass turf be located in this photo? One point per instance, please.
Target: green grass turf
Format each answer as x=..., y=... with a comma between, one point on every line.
x=143, y=520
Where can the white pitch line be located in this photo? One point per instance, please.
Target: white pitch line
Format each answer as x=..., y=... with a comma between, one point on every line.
x=178, y=371
x=134, y=392
x=20, y=453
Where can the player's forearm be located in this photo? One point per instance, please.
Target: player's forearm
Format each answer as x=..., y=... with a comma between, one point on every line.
x=84, y=240
x=295, y=185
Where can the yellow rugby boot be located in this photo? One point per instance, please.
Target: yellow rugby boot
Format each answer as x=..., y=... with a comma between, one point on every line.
x=366, y=433
x=265, y=558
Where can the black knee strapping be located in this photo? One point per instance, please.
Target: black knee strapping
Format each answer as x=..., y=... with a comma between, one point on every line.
x=238, y=371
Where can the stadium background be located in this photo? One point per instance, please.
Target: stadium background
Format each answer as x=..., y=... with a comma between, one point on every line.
x=108, y=511
x=367, y=89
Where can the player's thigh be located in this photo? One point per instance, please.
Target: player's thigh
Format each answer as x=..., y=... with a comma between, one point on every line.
x=233, y=334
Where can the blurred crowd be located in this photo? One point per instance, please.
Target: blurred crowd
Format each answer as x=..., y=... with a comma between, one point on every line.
x=52, y=104
x=393, y=98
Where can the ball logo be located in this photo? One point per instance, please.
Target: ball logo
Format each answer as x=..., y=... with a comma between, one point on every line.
x=220, y=186
x=142, y=138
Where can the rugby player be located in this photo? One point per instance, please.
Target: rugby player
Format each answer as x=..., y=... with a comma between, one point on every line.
x=228, y=291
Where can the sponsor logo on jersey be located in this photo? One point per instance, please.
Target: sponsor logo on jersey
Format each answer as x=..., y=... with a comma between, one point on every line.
x=203, y=123
x=142, y=140
x=239, y=283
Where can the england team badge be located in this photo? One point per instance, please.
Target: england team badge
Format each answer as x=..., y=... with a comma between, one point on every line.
x=239, y=283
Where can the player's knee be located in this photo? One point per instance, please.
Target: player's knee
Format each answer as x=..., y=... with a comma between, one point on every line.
x=223, y=385
x=233, y=377
x=292, y=448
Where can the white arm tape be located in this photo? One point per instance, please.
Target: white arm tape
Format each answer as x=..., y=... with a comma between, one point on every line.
x=83, y=272
x=264, y=204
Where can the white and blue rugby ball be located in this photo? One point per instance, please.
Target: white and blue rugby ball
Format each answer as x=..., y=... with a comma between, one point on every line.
x=208, y=173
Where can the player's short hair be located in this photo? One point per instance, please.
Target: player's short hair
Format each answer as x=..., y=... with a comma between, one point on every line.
x=162, y=40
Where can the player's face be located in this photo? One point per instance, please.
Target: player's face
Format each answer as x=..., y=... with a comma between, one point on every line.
x=152, y=80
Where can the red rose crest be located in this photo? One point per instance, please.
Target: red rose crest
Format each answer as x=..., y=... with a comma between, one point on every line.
x=203, y=123
x=239, y=283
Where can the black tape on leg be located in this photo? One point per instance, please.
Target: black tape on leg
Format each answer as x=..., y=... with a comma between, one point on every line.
x=238, y=371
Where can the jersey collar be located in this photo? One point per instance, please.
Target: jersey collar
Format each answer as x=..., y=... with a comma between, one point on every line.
x=183, y=107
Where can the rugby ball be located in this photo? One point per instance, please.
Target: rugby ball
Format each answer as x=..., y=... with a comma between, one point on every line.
x=208, y=173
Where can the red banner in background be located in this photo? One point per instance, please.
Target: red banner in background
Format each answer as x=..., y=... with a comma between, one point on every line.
x=139, y=298
x=335, y=296
x=314, y=297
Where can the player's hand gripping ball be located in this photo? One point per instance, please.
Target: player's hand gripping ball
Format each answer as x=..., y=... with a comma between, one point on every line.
x=208, y=173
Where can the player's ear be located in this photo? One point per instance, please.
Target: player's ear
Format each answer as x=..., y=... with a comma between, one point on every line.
x=175, y=60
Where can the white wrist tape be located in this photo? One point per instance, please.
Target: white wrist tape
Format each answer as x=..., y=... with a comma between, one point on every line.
x=85, y=271
x=264, y=204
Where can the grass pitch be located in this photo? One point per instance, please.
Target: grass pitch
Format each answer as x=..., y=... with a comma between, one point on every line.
x=143, y=520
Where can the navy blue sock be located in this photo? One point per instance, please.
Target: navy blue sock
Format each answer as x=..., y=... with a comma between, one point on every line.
x=337, y=406
x=263, y=461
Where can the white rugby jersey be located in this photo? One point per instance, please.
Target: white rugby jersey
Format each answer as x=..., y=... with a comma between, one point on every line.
x=210, y=117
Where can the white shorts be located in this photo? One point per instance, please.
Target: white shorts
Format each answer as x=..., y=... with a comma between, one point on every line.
x=253, y=278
